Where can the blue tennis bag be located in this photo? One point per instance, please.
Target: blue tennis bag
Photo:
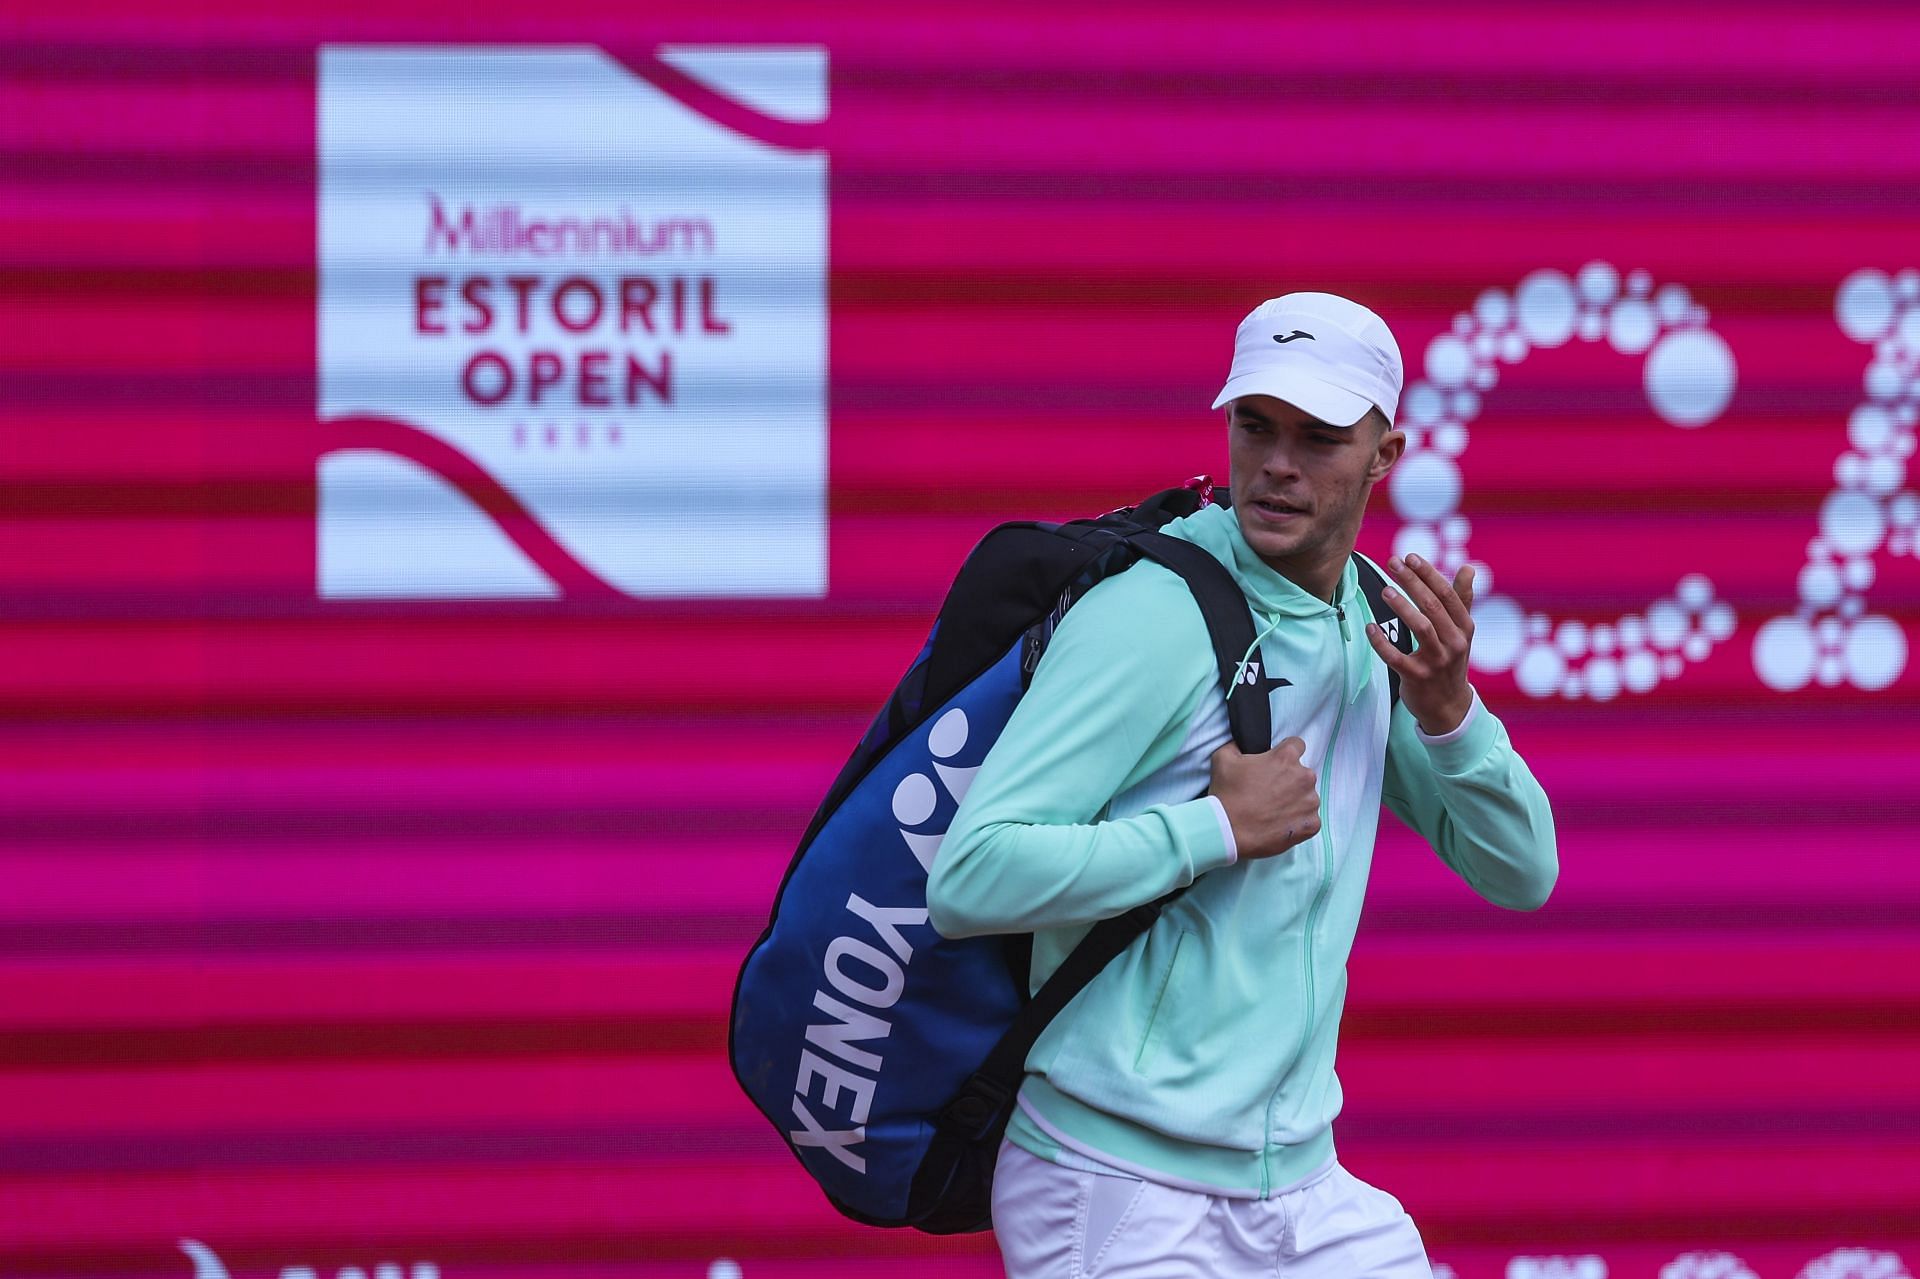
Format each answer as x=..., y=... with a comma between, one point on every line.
x=886, y=1055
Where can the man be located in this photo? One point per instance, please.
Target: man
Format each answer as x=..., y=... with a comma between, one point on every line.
x=1176, y=1118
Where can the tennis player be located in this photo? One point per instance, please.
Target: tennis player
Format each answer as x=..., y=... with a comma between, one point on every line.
x=1176, y=1119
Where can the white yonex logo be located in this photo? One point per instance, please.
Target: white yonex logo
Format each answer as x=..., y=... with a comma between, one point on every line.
x=1251, y=676
x=875, y=981
x=879, y=975
x=916, y=797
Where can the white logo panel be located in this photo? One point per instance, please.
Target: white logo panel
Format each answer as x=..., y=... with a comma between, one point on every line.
x=573, y=323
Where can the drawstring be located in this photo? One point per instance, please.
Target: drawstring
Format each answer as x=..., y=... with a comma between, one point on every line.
x=1246, y=659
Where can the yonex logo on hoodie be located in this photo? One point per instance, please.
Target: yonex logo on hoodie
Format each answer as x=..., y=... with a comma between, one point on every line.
x=1253, y=677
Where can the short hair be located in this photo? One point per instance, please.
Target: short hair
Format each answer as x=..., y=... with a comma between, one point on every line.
x=1380, y=423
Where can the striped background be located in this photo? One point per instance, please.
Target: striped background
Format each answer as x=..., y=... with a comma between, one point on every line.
x=348, y=933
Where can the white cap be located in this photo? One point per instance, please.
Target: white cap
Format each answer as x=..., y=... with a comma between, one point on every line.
x=1319, y=352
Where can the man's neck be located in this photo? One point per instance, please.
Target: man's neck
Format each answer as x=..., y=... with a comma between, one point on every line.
x=1317, y=575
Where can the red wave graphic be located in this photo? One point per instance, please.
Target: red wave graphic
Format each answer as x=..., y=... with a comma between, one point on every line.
x=719, y=108
x=477, y=485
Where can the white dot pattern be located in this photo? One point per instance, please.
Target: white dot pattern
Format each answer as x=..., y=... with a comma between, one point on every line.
x=1689, y=375
x=1830, y=638
x=1707, y=1265
x=1856, y=1263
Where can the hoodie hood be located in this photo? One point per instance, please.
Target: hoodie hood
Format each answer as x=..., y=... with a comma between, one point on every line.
x=1273, y=597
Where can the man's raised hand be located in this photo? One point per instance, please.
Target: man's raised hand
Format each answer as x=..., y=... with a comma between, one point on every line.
x=1272, y=800
x=1433, y=678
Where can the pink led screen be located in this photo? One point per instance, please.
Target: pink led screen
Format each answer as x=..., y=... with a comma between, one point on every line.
x=415, y=681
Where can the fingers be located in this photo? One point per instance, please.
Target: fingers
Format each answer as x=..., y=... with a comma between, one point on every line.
x=1442, y=590
x=1392, y=656
x=1291, y=746
x=1430, y=590
x=1419, y=620
x=1463, y=586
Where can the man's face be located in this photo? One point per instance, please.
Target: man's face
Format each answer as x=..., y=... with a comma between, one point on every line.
x=1300, y=485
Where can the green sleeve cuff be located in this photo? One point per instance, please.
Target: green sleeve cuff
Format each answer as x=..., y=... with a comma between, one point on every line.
x=1200, y=830
x=1455, y=753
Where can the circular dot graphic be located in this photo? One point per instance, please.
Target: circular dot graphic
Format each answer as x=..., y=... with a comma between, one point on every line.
x=1546, y=308
x=1598, y=283
x=914, y=799
x=1852, y=523
x=1820, y=584
x=1422, y=405
x=1671, y=303
x=1425, y=486
x=1416, y=539
x=1640, y=671
x=1540, y=671
x=1871, y=429
x=1864, y=306
x=1690, y=377
x=1666, y=624
x=1631, y=328
x=1603, y=679
x=949, y=734
x=1494, y=309
x=1499, y=633
x=1449, y=361
x=1876, y=652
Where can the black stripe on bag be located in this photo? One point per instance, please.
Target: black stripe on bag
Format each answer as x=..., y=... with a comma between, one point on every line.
x=1372, y=583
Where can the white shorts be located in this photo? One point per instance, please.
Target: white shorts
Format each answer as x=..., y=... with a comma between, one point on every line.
x=1055, y=1222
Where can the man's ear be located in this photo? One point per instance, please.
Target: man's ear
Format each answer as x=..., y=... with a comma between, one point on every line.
x=1392, y=444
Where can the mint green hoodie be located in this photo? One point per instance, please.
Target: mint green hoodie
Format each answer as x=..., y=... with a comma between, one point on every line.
x=1203, y=1055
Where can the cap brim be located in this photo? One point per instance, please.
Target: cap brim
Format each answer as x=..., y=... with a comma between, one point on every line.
x=1332, y=404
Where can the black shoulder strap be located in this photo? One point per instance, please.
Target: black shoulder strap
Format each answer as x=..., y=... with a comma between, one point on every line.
x=980, y=1108
x=978, y=1113
x=1229, y=624
x=981, y=1104
x=1372, y=582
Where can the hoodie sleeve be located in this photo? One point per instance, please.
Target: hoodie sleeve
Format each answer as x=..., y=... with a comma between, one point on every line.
x=1110, y=702
x=1470, y=795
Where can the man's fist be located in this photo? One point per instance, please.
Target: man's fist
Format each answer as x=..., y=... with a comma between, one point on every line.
x=1272, y=800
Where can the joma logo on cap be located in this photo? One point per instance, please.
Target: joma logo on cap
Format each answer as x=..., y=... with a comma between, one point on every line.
x=1297, y=333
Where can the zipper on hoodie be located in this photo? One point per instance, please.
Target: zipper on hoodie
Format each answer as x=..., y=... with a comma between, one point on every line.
x=1325, y=844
